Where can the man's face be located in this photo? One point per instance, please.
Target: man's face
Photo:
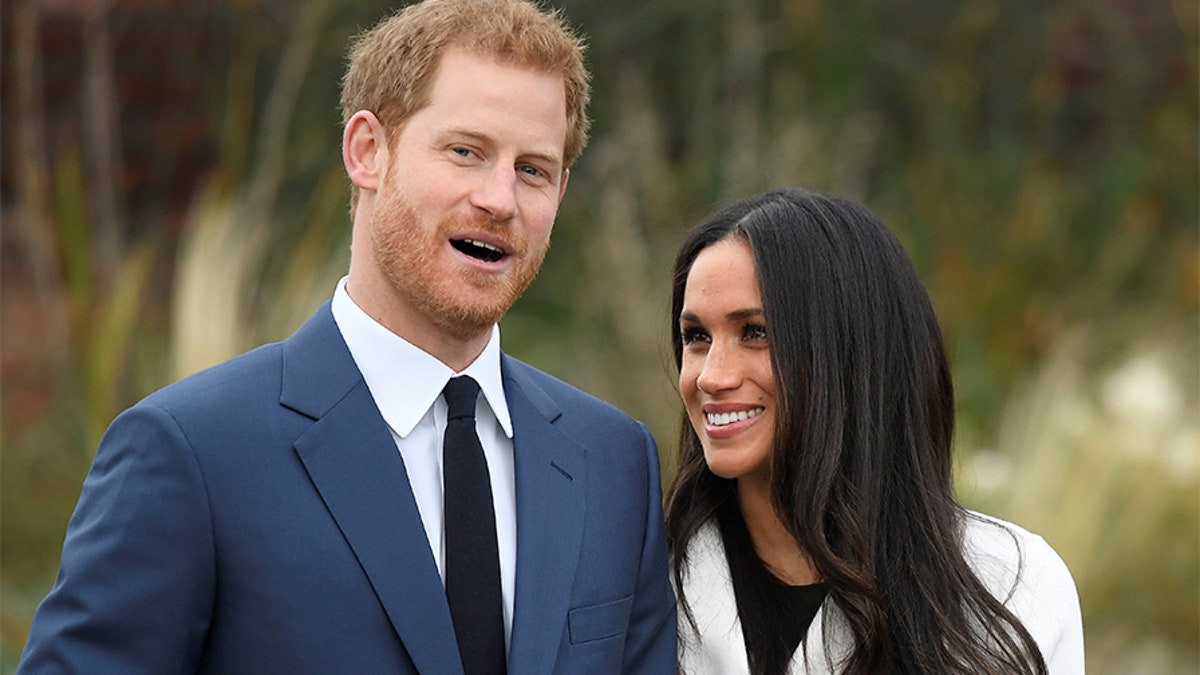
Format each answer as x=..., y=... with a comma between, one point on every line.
x=462, y=218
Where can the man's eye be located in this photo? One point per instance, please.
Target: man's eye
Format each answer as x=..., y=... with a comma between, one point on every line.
x=461, y=152
x=533, y=171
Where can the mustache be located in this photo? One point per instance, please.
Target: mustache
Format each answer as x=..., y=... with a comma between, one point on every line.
x=515, y=242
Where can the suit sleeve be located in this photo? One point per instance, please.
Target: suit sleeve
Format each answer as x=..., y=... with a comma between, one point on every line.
x=134, y=592
x=650, y=647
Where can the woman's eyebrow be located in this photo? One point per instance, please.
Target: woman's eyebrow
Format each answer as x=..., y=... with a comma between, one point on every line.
x=736, y=315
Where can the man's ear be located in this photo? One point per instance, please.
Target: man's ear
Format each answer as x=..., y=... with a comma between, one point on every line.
x=365, y=150
x=562, y=184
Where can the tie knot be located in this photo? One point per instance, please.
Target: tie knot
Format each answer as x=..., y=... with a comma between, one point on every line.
x=460, y=393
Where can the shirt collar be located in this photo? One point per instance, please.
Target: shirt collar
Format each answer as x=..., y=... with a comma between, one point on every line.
x=404, y=380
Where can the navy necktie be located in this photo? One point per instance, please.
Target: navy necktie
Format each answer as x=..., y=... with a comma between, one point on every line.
x=472, y=562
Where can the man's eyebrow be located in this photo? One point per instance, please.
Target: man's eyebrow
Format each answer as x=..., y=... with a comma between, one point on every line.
x=549, y=156
x=553, y=159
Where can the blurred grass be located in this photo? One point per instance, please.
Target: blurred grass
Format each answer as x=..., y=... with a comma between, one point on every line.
x=1100, y=454
x=1038, y=160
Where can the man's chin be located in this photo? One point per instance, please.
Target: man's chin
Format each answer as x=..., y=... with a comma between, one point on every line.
x=467, y=323
x=465, y=308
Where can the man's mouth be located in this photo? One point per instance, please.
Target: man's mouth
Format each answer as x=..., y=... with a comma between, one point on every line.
x=478, y=249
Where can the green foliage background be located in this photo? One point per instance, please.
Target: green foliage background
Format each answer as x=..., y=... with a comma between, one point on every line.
x=1039, y=160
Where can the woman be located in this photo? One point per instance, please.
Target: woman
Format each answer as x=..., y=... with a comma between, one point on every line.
x=812, y=522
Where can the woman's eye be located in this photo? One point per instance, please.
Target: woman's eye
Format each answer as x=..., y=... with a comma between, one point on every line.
x=690, y=336
x=755, y=332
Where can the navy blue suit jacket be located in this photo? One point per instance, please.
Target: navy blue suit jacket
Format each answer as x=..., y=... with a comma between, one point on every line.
x=257, y=518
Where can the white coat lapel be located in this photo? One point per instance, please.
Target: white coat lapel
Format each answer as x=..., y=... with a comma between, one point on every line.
x=719, y=646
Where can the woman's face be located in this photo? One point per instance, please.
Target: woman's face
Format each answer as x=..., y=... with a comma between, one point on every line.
x=725, y=374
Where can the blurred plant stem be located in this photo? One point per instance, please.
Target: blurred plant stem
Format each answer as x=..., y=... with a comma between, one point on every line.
x=102, y=148
x=33, y=177
x=218, y=311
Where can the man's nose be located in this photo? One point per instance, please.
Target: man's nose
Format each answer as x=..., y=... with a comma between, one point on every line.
x=497, y=193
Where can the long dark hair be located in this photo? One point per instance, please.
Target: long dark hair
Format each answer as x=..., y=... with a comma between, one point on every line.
x=861, y=465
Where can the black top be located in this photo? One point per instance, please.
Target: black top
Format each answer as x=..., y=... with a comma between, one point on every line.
x=775, y=616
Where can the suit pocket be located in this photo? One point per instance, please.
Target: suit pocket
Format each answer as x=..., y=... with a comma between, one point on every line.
x=596, y=622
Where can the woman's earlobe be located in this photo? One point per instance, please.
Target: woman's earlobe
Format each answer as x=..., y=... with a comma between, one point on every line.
x=364, y=150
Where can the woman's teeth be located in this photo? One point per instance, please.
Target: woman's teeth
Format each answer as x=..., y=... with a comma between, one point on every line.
x=722, y=419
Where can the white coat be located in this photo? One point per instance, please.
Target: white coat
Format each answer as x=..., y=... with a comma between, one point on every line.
x=1042, y=596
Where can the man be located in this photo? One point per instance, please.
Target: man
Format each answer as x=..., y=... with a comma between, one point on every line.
x=284, y=512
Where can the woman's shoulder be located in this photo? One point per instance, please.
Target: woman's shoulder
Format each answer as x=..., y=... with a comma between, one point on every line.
x=1024, y=572
x=1005, y=554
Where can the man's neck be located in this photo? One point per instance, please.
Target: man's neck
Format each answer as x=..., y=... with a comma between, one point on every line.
x=457, y=349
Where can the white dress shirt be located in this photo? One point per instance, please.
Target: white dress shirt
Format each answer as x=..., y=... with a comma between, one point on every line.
x=407, y=384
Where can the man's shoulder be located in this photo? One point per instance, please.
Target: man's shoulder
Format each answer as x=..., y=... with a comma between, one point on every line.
x=254, y=374
x=249, y=374
x=585, y=417
x=569, y=398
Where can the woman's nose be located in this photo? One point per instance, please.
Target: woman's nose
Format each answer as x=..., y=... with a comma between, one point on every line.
x=720, y=371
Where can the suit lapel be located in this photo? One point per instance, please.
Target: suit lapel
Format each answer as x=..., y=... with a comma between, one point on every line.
x=550, y=474
x=353, y=462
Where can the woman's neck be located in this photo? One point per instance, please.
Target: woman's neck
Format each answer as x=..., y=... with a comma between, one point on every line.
x=773, y=543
